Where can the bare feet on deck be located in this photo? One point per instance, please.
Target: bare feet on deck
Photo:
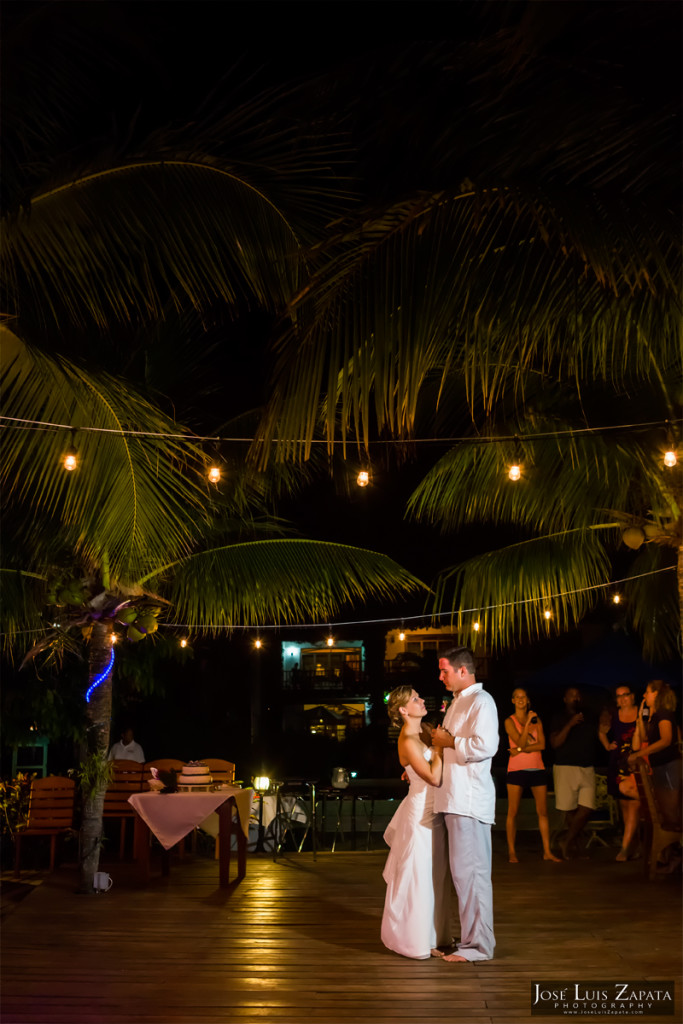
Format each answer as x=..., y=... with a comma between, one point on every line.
x=455, y=958
x=551, y=856
x=622, y=855
x=513, y=858
x=436, y=952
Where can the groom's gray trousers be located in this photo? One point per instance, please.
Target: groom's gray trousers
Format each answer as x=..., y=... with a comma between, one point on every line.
x=469, y=844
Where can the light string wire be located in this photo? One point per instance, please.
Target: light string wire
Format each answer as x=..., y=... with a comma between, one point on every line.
x=393, y=618
x=25, y=424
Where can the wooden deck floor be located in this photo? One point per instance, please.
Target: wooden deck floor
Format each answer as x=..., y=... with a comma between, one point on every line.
x=298, y=941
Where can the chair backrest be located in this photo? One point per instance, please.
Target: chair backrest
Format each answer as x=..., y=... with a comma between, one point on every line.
x=649, y=808
x=162, y=764
x=221, y=771
x=51, y=803
x=126, y=780
x=605, y=805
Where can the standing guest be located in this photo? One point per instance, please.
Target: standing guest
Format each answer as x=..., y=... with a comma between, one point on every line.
x=661, y=735
x=573, y=737
x=616, y=734
x=126, y=749
x=526, y=771
x=416, y=918
x=467, y=798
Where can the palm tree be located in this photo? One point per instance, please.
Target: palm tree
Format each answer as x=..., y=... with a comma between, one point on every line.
x=136, y=537
x=548, y=274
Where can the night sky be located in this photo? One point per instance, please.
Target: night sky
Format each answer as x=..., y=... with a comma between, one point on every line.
x=416, y=94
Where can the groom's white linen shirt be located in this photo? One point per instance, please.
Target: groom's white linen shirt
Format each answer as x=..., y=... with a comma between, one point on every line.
x=467, y=787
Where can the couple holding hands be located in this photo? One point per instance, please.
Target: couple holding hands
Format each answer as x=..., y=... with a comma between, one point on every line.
x=444, y=822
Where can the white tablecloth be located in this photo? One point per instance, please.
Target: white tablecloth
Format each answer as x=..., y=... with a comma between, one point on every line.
x=171, y=816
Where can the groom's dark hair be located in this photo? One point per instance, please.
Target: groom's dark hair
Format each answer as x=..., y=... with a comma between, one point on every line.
x=459, y=656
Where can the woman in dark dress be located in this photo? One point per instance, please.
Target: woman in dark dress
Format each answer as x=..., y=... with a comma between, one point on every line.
x=661, y=734
x=616, y=734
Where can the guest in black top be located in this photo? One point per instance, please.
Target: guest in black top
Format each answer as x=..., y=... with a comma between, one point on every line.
x=658, y=739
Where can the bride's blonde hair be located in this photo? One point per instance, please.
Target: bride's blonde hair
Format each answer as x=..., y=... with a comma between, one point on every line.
x=398, y=698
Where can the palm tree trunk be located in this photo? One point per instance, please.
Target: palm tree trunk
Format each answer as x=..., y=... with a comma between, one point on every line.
x=99, y=719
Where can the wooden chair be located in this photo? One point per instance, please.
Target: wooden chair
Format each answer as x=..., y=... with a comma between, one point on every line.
x=657, y=834
x=605, y=817
x=127, y=779
x=221, y=771
x=51, y=813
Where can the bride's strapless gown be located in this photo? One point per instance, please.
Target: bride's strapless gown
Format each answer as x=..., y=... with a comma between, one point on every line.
x=416, y=914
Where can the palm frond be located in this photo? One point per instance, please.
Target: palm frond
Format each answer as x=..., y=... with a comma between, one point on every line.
x=192, y=231
x=509, y=590
x=278, y=582
x=23, y=599
x=489, y=284
x=567, y=481
x=651, y=602
x=138, y=498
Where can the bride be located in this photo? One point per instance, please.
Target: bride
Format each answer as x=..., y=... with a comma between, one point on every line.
x=416, y=918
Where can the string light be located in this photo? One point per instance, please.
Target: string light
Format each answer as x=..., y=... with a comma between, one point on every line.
x=258, y=643
x=100, y=678
x=476, y=627
x=363, y=478
x=616, y=599
x=330, y=639
x=401, y=635
x=183, y=642
x=214, y=475
x=484, y=439
x=70, y=460
x=670, y=455
x=547, y=615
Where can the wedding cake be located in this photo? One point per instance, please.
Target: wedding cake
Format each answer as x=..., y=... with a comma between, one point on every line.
x=195, y=774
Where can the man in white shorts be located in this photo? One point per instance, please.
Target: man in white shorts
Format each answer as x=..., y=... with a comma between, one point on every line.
x=573, y=737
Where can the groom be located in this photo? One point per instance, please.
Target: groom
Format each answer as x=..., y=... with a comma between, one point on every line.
x=467, y=798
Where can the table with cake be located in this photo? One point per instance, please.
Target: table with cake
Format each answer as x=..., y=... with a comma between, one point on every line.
x=173, y=815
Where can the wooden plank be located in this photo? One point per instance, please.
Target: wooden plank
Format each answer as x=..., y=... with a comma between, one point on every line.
x=298, y=941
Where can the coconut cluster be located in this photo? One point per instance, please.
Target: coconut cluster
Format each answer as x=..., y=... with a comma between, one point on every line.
x=67, y=592
x=140, y=620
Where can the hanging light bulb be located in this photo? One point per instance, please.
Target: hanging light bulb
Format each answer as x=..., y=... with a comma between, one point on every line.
x=363, y=478
x=401, y=635
x=330, y=641
x=258, y=643
x=476, y=627
x=547, y=615
x=515, y=470
x=183, y=642
x=670, y=455
x=114, y=638
x=70, y=460
x=214, y=474
x=616, y=598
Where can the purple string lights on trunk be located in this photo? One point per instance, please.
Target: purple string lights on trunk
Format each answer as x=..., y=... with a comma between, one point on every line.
x=101, y=677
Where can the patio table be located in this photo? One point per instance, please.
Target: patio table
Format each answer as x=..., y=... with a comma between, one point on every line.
x=171, y=816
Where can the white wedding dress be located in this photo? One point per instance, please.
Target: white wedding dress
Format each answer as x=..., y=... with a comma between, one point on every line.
x=416, y=914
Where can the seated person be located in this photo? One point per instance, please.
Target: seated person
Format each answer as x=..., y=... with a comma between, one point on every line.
x=126, y=749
